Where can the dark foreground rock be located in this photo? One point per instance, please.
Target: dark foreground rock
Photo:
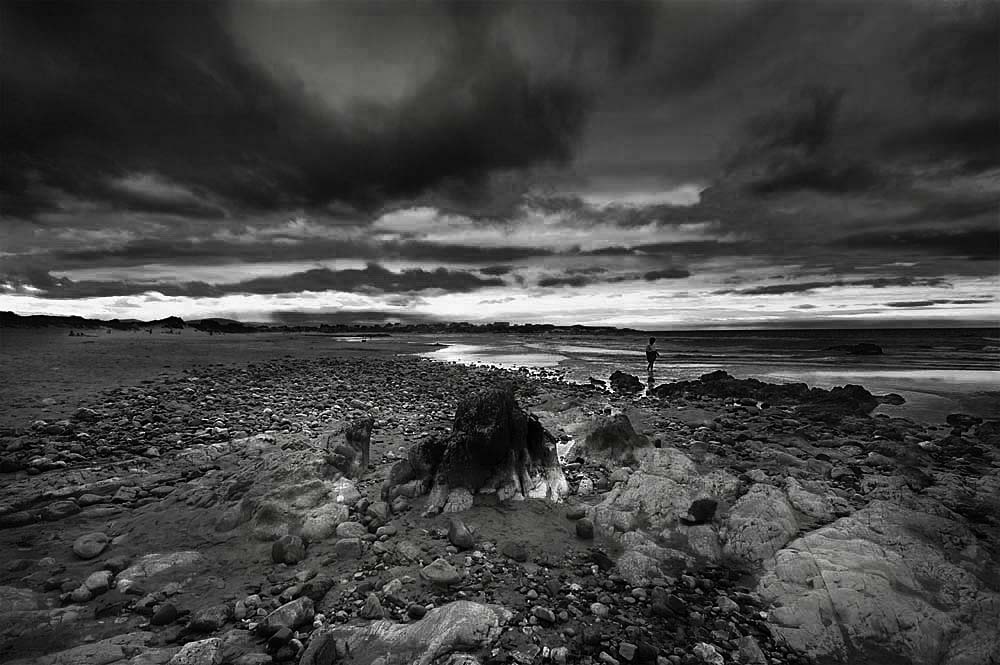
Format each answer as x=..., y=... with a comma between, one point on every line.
x=625, y=383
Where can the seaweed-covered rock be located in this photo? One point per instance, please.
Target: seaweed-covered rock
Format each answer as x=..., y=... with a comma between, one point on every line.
x=623, y=382
x=494, y=447
x=816, y=403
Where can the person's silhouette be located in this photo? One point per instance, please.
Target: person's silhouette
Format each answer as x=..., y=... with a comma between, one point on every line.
x=651, y=354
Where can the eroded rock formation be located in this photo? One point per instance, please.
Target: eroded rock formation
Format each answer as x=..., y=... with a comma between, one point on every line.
x=495, y=447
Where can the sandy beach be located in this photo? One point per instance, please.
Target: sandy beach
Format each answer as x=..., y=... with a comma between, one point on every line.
x=166, y=496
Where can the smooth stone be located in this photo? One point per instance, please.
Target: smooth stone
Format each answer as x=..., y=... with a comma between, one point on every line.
x=165, y=614
x=460, y=536
x=90, y=545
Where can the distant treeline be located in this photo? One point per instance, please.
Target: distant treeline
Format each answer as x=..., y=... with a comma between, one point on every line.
x=215, y=325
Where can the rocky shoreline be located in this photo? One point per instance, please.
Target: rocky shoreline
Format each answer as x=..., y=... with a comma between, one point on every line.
x=224, y=514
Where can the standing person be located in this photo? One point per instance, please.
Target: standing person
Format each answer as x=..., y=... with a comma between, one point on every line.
x=651, y=354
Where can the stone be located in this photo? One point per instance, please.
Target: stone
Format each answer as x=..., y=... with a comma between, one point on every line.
x=441, y=572
x=351, y=530
x=210, y=619
x=372, y=608
x=544, y=614
x=293, y=614
x=58, y=510
x=416, y=611
x=576, y=511
x=456, y=629
x=727, y=605
x=322, y=522
x=165, y=614
x=203, y=652
x=280, y=638
x=348, y=548
x=707, y=653
x=749, y=652
x=459, y=535
x=98, y=581
x=90, y=545
x=627, y=651
x=288, y=550
x=514, y=549
x=585, y=529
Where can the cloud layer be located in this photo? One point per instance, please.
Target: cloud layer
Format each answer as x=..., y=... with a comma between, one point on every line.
x=626, y=162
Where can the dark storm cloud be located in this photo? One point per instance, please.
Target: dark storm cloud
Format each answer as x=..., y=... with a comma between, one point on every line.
x=801, y=287
x=371, y=279
x=198, y=250
x=978, y=244
x=577, y=277
x=667, y=273
x=374, y=277
x=939, y=102
x=99, y=91
x=353, y=317
x=794, y=148
x=955, y=76
x=569, y=280
x=496, y=271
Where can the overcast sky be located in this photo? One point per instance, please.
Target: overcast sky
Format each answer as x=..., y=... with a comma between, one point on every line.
x=696, y=164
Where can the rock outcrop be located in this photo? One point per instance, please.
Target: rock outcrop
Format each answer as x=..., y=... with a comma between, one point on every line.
x=898, y=581
x=460, y=627
x=494, y=448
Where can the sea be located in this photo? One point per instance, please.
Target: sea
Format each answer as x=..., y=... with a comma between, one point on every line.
x=937, y=371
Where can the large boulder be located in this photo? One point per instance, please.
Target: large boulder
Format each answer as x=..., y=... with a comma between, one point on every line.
x=460, y=627
x=898, y=581
x=494, y=448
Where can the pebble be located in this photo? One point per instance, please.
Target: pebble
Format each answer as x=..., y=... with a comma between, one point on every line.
x=441, y=572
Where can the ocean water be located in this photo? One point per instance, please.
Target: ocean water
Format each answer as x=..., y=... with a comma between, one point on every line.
x=937, y=371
